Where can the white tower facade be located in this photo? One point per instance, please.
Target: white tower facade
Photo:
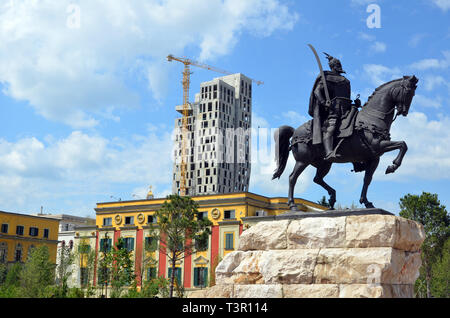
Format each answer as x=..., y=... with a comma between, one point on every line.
x=218, y=138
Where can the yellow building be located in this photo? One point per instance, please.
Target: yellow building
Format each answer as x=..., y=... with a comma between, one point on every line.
x=19, y=233
x=228, y=212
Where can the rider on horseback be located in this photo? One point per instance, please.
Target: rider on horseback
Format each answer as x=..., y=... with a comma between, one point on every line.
x=329, y=104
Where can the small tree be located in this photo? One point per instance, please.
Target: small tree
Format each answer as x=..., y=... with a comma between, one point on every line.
x=64, y=269
x=178, y=227
x=122, y=269
x=104, y=265
x=441, y=275
x=324, y=202
x=85, y=257
x=38, y=273
x=426, y=209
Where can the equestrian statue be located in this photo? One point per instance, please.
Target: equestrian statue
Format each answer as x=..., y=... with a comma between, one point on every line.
x=341, y=133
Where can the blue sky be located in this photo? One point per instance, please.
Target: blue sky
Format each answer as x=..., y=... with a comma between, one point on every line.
x=87, y=97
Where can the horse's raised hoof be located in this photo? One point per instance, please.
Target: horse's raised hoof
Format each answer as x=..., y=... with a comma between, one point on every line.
x=391, y=169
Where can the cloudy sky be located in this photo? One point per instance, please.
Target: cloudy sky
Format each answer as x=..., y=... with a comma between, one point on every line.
x=87, y=97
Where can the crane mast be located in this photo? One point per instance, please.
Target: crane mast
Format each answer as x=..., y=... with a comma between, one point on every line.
x=185, y=109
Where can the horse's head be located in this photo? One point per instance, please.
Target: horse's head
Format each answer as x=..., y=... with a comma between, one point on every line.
x=404, y=93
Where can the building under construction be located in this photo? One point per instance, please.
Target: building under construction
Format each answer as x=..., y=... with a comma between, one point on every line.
x=217, y=138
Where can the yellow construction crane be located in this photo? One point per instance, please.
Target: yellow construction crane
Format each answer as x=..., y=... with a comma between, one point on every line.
x=185, y=108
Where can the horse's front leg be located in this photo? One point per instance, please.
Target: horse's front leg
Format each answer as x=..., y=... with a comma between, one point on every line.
x=298, y=169
x=387, y=146
x=370, y=170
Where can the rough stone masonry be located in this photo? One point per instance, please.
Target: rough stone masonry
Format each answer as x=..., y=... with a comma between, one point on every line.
x=374, y=255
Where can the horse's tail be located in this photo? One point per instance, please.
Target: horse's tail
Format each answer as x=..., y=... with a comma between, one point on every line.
x=282, y=146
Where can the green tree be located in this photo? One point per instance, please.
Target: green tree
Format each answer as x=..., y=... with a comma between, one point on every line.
x=104, y=264
x=178, y=228
x=85, y=257
x=427, y=210
x=441, y=273
x=324, y=202
x=10, y=287
x=38, y=273
x=122, y=269
x=64, y=270
x=13, y=275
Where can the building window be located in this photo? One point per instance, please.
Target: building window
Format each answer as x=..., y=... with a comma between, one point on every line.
x=152, y=219
x=177, y=275
x=3, y=252
x=200, y=276
x=107, y=221
x=46, y=233
x=151, y=273
x=84, y=248
x=129, y=243
x=151, y=244
x=229, y=241
x=105, y=245
x=129, y=220
x=19, y=229
x=18, y=254
x=202, y=215
x=4, y=228
x=229, y=214
x=34, y=231
x=84, y=277
x=201, y=244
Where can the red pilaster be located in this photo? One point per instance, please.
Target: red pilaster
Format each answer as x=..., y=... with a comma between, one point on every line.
x=116, y=236
x=138, y=254
x=162, y=260
x=214, y=243
x=96, y=258
x=187, y=268
x=241, y=226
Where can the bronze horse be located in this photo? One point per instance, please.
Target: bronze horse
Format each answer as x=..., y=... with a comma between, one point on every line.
x=369, y=141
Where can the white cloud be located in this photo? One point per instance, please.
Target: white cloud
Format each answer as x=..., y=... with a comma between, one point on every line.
x=72, y=75
x=32, y=170
x=426, y=101
x=428, y=155
x=416, y=39
x=433, y=63
x=378, y=47
x=379, y=74
x=431, y=82
x=442, y=4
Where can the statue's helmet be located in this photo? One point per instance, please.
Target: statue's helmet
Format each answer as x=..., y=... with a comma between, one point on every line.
x=334, y=63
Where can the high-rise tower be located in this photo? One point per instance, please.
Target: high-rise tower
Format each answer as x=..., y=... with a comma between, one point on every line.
x=218, y=138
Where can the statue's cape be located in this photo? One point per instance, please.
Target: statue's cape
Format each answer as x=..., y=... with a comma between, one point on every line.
x=314, y=112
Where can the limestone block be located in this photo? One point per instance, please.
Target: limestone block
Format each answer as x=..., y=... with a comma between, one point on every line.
x=376, y=291
x=219, y=291
x=316, y=233
x=410, y=235
x=268, y=267
x=311, y=291
x=288, y=266
x=239, y=267
x=229, y=262
x=366, y=266
x=383, y=231
x=362, y=291
x=258, y=291
x=264, y=236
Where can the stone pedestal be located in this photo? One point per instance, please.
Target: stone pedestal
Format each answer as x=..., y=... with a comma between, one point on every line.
x=361, y=253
